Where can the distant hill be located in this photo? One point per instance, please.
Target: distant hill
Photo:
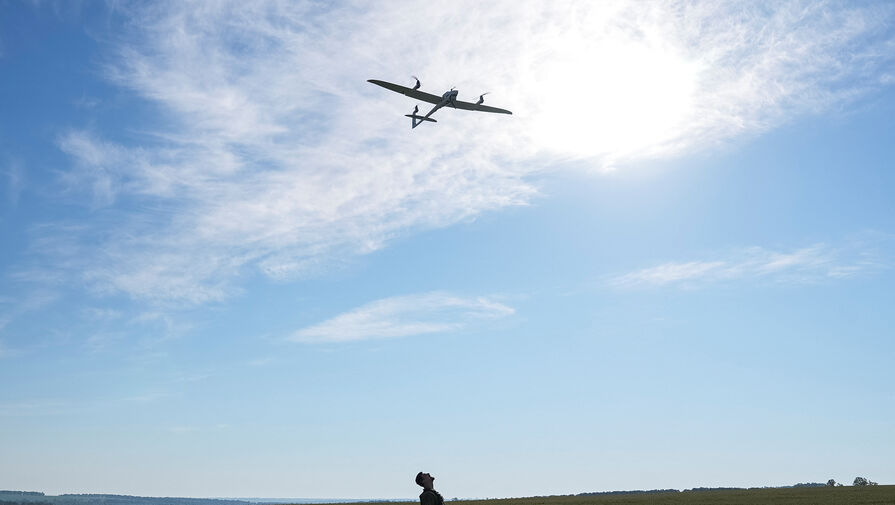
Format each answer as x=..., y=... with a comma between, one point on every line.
x=636, y=491
x=656, y=491
x=37, y=498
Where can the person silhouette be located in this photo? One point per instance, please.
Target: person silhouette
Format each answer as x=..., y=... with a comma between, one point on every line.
x=429, y=496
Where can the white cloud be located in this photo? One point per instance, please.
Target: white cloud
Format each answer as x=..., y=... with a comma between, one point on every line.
x=259, y=362
x=39, y=407
x=809, y=264
x=403, y=316
x=670, y=272
x=274, y=156
x=96, y=162
x=15, y=181
x=13, y=308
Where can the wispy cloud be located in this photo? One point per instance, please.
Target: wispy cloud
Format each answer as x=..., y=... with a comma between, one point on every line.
x=98, y=165
x=260, y=362
x=150, y=397
x=810, y=264
x=12, y=308
x=40, y=407
x=404, y=316
x=274, y=156
x=15, y=181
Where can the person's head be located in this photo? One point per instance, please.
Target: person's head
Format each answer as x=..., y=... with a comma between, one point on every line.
x=425, y=480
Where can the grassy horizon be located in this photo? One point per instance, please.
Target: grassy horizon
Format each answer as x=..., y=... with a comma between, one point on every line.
x=844, y=495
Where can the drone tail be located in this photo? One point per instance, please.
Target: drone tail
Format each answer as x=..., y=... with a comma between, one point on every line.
x=418, y=120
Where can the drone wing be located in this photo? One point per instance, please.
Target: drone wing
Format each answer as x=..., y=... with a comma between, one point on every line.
x=482, y=108
x=412, y=93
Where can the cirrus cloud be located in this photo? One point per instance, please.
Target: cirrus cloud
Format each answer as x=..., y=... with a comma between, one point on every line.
x=403, y=316
x=271, y=154
x=809, y=264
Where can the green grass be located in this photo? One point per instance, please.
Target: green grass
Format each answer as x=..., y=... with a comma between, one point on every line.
x=846, y=495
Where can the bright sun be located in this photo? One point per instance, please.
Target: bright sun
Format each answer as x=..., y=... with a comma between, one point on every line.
x=612, y=97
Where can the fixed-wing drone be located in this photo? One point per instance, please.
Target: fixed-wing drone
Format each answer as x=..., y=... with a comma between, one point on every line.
x=448, y=99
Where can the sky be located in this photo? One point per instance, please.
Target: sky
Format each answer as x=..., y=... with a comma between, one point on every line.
x=229, y=267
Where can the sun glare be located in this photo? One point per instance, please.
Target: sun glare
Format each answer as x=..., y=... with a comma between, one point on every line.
x=613, y=98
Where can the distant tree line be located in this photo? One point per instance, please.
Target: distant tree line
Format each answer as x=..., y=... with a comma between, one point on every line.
x=36, y=498
x=636, y=491
x=859, y=481
x=715, y=489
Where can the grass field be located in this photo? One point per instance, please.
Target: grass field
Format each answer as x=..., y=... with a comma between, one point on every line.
x=846, y=495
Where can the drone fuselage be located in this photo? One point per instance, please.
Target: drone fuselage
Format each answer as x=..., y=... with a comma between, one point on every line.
x=449, y=97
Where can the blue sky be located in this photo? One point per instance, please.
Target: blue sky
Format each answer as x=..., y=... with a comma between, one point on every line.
x=230, y=268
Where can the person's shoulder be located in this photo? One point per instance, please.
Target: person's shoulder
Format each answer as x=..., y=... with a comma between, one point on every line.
x=431, y=494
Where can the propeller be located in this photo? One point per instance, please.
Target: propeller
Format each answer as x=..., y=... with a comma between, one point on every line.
x=417, y=82
x=482, y=98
